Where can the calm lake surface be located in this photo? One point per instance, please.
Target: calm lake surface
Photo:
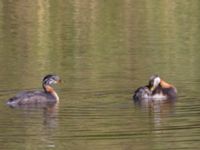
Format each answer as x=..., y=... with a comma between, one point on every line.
x=103, y=51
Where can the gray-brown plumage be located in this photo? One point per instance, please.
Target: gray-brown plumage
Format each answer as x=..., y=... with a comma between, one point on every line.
x=156, y=89
x=37, y=97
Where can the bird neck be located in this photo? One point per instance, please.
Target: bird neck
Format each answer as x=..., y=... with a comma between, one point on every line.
x=165, y=84
x=49, y=89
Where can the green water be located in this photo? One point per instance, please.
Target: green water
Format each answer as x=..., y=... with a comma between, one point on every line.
x=102, y=50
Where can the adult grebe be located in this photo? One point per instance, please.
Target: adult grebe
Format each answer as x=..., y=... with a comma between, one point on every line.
x=157, y=89
x=37, y=97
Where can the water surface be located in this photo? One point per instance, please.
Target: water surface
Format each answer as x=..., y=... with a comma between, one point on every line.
x=102, y=50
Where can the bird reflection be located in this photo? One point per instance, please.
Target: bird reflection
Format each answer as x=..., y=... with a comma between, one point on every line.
x=49, y=113
x=158, y=109
x=41, y=121
x=50, y=116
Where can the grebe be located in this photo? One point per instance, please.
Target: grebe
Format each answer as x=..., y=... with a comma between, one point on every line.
x=37, y=97
x=157, y=89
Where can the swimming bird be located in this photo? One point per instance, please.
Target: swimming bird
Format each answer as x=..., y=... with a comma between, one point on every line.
x=157, y=89
x=49, y=95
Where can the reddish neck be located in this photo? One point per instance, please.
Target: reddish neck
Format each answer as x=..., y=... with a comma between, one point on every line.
x=49, y=89
x=165, y=84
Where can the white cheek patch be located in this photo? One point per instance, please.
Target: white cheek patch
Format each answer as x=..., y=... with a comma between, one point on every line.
x=156, y=82
x=49, y=81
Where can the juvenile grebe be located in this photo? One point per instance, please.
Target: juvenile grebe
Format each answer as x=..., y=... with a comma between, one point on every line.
x=37, y=97
x=157, y=89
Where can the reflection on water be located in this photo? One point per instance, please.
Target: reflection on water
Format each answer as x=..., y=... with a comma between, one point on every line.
x=50, y=116
x=49, y=113
x=38, y=123
x=159, y=109
x=103, y=51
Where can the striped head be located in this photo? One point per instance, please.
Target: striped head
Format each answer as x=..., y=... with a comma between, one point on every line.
x=154, y=81
x=51, y=79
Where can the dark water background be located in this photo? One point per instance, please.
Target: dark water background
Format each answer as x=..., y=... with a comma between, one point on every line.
x=102, y=50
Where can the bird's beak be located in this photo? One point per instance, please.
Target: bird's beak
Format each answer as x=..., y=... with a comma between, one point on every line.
x=152, y=88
